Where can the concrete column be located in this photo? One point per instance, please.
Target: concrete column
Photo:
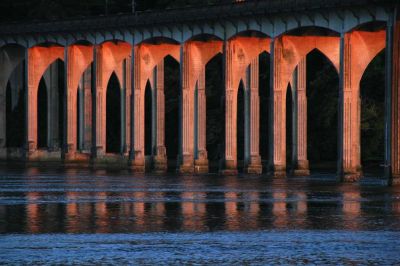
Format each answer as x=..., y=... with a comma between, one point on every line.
x=128, y=94
x=132, y=73
x=81, y=115
x=301, y=165
x=54, y=109
x=123, y=98
x=87, y=110
x=138, y=156
x=160, y=153
x=278, y=112
x=187, y=114
x=100, y=98
x=230, y=163
x=3, y=124
x=350, y=166
x=393, y=83
x=72, y=108
x=201, y=162
x=95, y=77
x=31, y=102
x=253, y=159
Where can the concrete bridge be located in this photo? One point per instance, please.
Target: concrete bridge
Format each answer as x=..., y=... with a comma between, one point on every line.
x=350, y=33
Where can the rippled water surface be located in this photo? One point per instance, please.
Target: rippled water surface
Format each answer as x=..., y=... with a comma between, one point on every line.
x=85, y=217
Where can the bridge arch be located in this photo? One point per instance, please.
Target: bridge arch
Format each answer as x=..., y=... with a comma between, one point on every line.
x=113, y=115
x=50, y=111
x=371, y=117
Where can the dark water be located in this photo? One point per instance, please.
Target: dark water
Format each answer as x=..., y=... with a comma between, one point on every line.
x=82, y=217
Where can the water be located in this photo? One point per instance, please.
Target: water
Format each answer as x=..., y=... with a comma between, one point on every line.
x=84, y=217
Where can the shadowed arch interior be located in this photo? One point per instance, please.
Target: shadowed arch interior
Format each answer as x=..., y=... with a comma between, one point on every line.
x=289, y=125
x=264, y=92
x=372, y=96
x=113, y=116
x=148, y=121
x=240, y=123
x=42, y=111
x=322, y=108
x=50, y=109
x=172, y=94
x=215, y=115
x=15, y=108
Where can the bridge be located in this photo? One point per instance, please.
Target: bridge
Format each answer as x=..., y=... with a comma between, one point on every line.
x=85, y=54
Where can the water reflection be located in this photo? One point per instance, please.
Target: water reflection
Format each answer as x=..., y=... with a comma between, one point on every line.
x=76, y=202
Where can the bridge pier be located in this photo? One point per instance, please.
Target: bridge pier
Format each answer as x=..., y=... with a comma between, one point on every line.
x=299, y=85
x=393, y=84
x=252, y=121
x=160, y=162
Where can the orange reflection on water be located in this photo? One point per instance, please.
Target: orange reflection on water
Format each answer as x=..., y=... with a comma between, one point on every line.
x=32, y=213
x=352, y=209
x=193, y=210
x=139, y=208
x=231, y=211
x=279, y=209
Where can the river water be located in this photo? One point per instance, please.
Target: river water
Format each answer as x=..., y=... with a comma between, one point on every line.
x=102, y=217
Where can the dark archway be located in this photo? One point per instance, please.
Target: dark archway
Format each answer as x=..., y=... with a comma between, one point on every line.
x=322, y=119
x=42, y=117
x=372, y=97
x=264, y=92
x=51, y=114
x=172, y=95
x=289, y=126
x=15, y=109
x=113, y=116
x=148, y=120
x=240, y=137
x=215, y=120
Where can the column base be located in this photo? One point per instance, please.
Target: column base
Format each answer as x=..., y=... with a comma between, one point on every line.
x=254, y=167
x=160, y=164
x=201, y=164
x=352, y=177
x=137, y=164
x=76, y=156
x=187, y=165
x=301, y=169
x=229, y=168
x=98, y=151
x=300, y=172
x=278, y=171
x=395, y=180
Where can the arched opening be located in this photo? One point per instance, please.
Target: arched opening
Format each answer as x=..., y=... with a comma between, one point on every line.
x=84, y=111
x=264, y=92
x=113, y=116
x=215, y=115
x=148, y=120
x=289, y=126
x=240, y=139
x=15, y=109
x=372, y=97
x=322, y=109
x=42, y=119
x=172, y=94
x=51, y=112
